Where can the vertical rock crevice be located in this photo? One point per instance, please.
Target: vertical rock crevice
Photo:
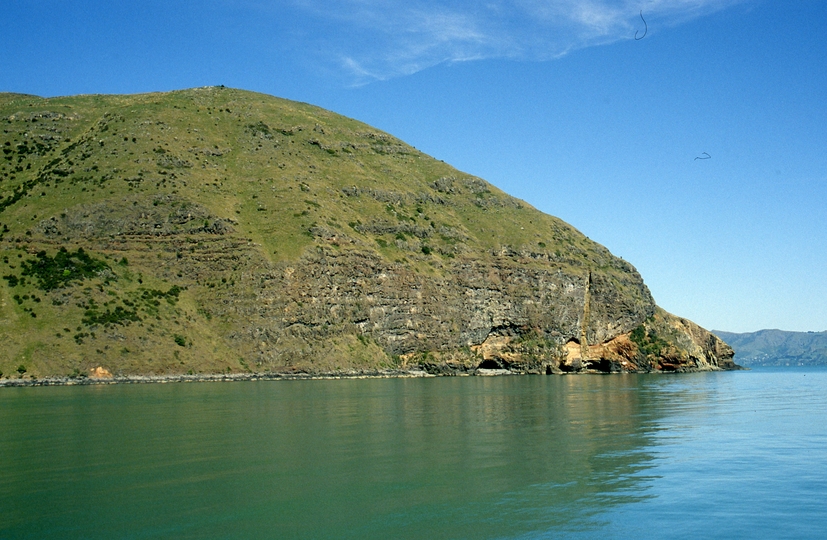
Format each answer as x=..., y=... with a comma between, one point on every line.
x=584, y=323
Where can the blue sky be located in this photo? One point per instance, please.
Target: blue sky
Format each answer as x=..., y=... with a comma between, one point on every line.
x=555, y=102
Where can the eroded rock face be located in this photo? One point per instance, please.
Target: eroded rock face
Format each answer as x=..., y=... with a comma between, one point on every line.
x=663, y=342
x=504, y=311
x=100, y=373
x=495, y=314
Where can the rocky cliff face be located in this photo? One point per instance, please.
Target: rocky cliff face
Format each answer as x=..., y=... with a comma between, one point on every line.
x=506, y=310
x=215, y=230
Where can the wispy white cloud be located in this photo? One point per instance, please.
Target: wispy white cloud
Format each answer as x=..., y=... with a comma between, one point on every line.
x=381, y=39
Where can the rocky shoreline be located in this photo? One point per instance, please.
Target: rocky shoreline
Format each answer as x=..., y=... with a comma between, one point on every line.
x=236, y=377
x=210, y=377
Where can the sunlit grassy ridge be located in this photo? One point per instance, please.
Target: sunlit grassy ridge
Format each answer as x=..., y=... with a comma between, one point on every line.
x=200, y=191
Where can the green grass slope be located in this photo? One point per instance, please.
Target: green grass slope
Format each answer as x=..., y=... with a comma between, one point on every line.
x=133, y=227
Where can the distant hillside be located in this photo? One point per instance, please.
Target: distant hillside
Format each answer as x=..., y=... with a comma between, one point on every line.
x=777, y=347
x=218, y=230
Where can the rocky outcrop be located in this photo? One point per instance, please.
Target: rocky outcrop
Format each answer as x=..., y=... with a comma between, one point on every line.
x=100, y=373
x=161, y=215
x=663, y=342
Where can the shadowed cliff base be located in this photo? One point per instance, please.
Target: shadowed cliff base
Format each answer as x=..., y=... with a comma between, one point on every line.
x=218, y=231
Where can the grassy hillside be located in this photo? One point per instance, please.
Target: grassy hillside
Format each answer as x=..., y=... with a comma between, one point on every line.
x=133, y=227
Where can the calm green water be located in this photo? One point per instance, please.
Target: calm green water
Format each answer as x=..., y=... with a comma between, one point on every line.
x=714, y=455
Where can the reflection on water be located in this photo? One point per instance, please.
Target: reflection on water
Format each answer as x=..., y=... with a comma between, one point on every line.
x=736, y=455
x=715, y=454
x=445, y=457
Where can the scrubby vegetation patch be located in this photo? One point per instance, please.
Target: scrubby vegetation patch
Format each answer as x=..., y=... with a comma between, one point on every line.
x=119, y=315
x=58, y=271
x=648, y=342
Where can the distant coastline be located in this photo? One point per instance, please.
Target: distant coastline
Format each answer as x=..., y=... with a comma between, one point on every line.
x=777, y=347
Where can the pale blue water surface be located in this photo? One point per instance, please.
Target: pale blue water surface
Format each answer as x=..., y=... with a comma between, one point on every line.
x=714, y=455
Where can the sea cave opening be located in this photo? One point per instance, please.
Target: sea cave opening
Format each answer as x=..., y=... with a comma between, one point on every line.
x=489, y=364
x=602, y=365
